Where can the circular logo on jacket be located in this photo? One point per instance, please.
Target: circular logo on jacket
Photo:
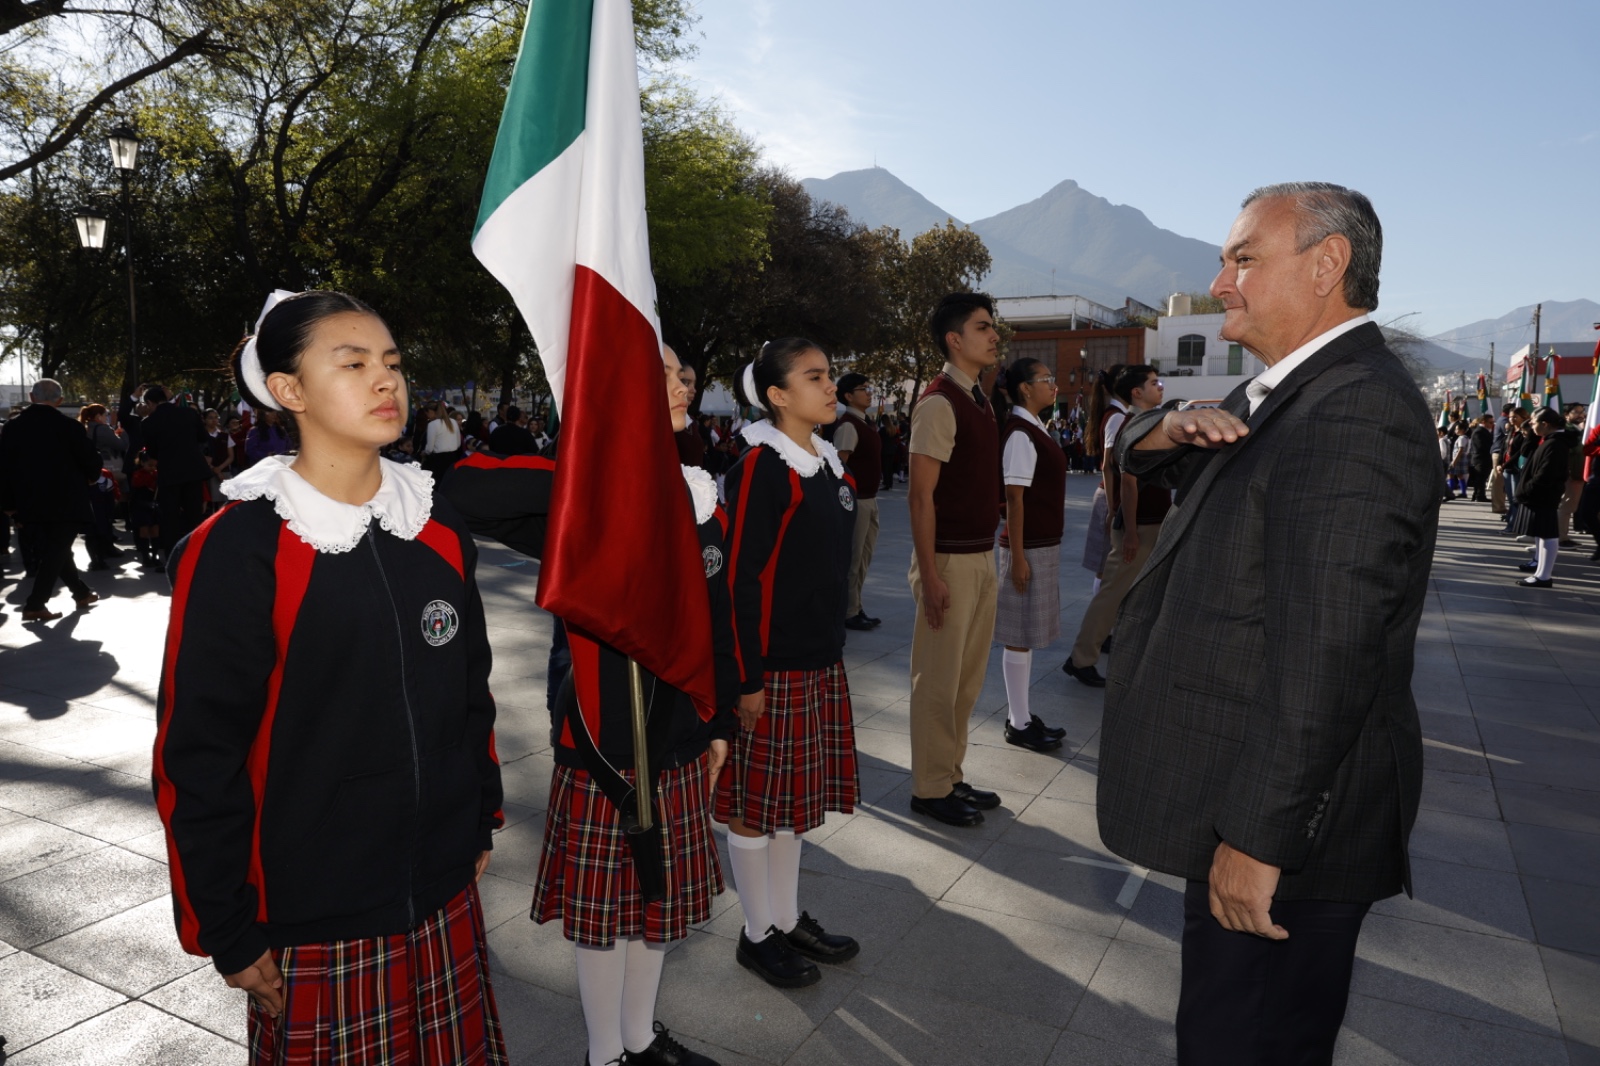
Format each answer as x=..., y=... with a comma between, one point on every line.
x=847, y=499
x=439, y=623
x=713, y=559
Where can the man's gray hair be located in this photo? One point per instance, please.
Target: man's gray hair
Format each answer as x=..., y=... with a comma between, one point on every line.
x=1325, y=209
x=45, y=390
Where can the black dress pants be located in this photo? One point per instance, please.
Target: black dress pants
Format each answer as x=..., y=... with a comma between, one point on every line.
x=53, y=542
x=182, y=507
x=1249, y=1001
x=1478, y=481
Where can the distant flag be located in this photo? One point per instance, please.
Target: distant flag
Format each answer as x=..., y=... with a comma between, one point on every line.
x=562, y=227
x=1444, y=412
x=1552, y=386
x=1483, y=395
x=1591, y=424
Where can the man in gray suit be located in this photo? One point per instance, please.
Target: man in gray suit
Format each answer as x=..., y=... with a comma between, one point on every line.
x=1260, y=737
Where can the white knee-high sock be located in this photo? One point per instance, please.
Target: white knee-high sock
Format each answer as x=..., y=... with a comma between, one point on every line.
x=600, y=983
x=783, y=879
x=639, y=988
x=1548, y=549
x=748, y=857
x=1016, y=667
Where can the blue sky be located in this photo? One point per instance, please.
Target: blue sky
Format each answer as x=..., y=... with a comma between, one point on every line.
x=1474, y=126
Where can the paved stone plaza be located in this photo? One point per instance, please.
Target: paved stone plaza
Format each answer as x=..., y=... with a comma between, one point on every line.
x=1021, y=942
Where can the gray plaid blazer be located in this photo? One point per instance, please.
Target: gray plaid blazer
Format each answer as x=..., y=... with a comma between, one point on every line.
x=1260, y=692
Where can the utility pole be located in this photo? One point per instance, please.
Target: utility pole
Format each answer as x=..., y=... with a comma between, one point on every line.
x=1491, y=362
x=1537, y=311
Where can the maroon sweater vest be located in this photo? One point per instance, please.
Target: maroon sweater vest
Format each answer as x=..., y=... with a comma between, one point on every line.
x=866, y=459
x=1044, y=502
x=966, y=502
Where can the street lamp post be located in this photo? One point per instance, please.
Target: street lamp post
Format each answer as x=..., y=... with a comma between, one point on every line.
x=124, y=145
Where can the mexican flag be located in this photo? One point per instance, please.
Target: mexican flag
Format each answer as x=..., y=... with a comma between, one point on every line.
x=562, y=226
x=1483, y=395
x=1444, y=412
x=1552, y=384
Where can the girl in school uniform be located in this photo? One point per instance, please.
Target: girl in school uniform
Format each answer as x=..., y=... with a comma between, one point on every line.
x=1028, y=612
x=587, y=875
x=324, y=759
x=792, y=515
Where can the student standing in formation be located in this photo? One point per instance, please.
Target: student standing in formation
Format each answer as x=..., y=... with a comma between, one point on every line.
x=861, y=450
x=792, y=514
x=1105, y=415
x=1028, y=611
x=324, y=757
x=1136, y=515
x=587, y=877
x=954, y=498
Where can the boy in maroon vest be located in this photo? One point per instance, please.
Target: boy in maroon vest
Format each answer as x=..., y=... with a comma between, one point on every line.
x=861, y=449
x=954, y=496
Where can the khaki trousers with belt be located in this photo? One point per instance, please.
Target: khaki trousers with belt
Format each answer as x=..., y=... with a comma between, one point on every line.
x=861, y=544
x=947, y=669
x=1101, y=614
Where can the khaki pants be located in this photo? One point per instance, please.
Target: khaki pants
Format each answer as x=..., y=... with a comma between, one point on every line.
x=1497, y=491
x=947, y=668
x=1115, y=580
x=861, y=545
x=1569, y=504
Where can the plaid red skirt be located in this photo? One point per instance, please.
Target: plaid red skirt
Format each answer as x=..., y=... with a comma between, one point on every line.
x=417, y=999
x=800, y=760
x=586, y=873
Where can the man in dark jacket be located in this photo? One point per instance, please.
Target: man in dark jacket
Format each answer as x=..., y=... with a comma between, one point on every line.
x=1259, y=736
x=46, y=465
x=175, y=437
x=1480, y=457
x=511, y=437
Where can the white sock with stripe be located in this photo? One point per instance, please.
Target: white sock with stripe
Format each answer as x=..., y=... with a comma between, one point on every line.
x=1015, y=666
x=639, y=988
x=600, y=987
x=783, y=879
x=748, y=858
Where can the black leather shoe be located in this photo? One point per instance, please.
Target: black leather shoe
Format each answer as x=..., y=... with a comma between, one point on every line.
x=857, y=621
x=974, y=797
x=1033, y=738
x=1088, y=675
x=1529, y=567
x=1049, y=730
x=810, y=940
x=1535, y=583
x=775, y=962
x=865, y=617
x=951, y=810
x=665, y=1051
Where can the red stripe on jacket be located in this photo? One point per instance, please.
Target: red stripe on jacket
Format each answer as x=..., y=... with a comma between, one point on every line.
x=769, y=573
x=166, y=794
x=443, y=539
x=292, y=569
x=480, y=461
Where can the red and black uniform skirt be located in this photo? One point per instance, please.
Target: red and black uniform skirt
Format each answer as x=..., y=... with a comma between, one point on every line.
x=800, y=760
x=586, y=873
x=416, y=999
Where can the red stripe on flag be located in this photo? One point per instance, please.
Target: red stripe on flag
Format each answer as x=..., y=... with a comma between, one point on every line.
x=293, y=572
x=442, y=539
x=624, y=566
x=166, y=793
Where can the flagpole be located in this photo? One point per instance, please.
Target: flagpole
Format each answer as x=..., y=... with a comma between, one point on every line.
x=641, y=749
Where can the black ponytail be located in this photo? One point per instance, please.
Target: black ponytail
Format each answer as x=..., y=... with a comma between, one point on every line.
x=1099, y=402
x=771, y=370
x=285, y=334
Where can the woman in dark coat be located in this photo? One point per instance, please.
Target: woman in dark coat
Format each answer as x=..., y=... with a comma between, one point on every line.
x=1539, y=490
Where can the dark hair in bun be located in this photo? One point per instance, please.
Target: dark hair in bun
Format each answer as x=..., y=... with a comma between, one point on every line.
x=1019, y=374
x=286, y=332
x=772, y=368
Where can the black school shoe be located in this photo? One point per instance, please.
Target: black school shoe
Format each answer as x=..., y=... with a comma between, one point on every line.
x=1535, y=583
x=775, y=961
x=975, y=797
x=1087, y=675
x=810, y=940
x=859, y=621
x=951, y=810
x=665, y=1051
x=1033, y=738
x=1049, y=730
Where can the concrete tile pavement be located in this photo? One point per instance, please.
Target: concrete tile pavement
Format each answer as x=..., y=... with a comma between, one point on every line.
x=1024, y=941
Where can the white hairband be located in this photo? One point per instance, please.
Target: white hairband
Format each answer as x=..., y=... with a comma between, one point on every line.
x=750, y=384
x=254, y=379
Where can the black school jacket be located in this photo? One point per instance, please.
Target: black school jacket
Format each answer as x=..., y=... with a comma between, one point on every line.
x=507, y=498
x=324, y=760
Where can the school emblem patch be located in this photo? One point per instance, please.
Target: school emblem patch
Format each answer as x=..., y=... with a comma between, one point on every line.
x=439, y=623
x=713, y=559
x=847, y=499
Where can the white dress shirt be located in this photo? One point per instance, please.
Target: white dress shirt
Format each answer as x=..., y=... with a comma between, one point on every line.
x=1021, y=457
x=1270, y=378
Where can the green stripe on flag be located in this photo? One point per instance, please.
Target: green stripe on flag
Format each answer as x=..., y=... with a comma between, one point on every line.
x=545, y=104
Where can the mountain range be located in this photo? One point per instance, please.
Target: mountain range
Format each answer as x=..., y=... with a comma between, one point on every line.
x=1070, y=241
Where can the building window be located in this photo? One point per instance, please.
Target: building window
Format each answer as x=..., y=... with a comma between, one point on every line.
x=1191, y=350
x=1235, y=359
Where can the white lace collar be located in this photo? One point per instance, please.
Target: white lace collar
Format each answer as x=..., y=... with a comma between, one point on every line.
x=403, y=504
x=703, y=490
x=799, y=460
